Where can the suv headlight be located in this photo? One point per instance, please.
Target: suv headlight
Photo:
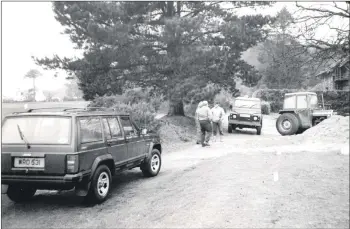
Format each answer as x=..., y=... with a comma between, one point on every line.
x=255, y=118
x=234, y=116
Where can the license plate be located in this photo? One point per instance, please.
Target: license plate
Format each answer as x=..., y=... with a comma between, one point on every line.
x=29, y=162
x=245, y=115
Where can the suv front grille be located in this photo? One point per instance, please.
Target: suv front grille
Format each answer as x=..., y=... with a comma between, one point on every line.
x=244, y=118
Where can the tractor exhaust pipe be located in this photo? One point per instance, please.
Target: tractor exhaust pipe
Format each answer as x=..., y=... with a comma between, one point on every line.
x=322, y=101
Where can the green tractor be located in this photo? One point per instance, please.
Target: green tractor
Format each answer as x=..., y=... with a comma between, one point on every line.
x=300, y=112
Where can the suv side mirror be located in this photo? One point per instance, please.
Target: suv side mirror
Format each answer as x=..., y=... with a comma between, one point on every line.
x=144, y=131
x=230, y=107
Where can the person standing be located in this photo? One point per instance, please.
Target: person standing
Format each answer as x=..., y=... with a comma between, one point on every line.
x=204, y=115
x=198, y=126
x=218, y=116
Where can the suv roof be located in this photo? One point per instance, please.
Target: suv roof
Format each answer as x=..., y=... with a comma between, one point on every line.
x=69, y=111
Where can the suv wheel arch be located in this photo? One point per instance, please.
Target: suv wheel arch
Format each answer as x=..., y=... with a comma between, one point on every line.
x=105, y=159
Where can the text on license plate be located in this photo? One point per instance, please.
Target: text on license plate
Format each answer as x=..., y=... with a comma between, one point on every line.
x=29, y=162
x=245, y=115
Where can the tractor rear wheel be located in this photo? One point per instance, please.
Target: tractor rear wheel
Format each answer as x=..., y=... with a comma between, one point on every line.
x=287, y=124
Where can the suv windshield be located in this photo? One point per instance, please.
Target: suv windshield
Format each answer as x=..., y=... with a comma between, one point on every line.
x=242, y=103
x=37, y=130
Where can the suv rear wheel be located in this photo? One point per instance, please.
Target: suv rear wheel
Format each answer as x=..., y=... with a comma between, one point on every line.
x=100, y=185
x=151, y=168
x=20, y=194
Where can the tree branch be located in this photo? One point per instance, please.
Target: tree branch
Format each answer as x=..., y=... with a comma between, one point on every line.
x=323, y=11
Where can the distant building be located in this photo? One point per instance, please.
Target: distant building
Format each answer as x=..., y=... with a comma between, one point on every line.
x=336, y=77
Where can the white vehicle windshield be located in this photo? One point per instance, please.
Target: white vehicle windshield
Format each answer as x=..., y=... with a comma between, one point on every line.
x=289, y=102
x=245, y=103
x=313, y=101
x=36, y=130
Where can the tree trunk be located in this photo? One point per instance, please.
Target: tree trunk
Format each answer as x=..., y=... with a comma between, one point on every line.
x=176, y=108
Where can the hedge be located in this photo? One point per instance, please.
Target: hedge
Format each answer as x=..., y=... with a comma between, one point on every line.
x=338, y=100
x=265, y=108
x=140, y=104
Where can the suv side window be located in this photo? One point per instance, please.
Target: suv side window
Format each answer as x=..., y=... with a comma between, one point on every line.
x=106, y=129
x=112, y=127
x=90, y=130
x=128, y=128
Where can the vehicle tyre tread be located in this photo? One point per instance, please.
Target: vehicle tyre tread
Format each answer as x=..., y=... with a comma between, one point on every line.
x=295, y=124
x=146, y=166
x=93, y=196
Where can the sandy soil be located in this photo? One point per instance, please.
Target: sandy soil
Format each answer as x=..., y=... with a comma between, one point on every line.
x=251, y=181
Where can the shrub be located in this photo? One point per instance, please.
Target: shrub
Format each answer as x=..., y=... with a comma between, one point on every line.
x=344, y=111
x=156, y=100
x=164, y=107
x=142, y=113
x=142, y=108
x=224, y=98
x=135, y=95
x=265, y=107
x=190, y=109
x=106, y=101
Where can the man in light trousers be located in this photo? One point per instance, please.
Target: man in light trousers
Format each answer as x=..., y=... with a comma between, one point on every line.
x=218, y=116
x=204, y=116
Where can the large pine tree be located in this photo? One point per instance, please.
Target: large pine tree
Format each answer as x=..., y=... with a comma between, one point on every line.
x=175, y=47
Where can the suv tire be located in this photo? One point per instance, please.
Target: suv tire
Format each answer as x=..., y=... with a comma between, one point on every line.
x=100, y=185
x=229, y=128
x=20, y=194
x=287, y=124
x=151, y=167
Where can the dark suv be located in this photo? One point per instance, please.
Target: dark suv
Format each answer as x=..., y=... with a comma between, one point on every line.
x=72, y=148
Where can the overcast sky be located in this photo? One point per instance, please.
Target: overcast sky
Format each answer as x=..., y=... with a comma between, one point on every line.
x=30, y=29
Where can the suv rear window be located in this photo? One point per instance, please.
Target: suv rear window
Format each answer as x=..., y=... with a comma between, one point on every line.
x=37, y=130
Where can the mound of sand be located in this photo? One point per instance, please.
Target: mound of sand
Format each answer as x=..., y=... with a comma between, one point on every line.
x=334, y=129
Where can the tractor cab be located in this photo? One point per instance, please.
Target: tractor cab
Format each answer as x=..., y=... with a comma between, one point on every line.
x=299, y=101
x=301, y=110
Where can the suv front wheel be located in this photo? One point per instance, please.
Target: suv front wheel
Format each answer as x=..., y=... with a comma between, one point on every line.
x=100, y=184
x=151, y=167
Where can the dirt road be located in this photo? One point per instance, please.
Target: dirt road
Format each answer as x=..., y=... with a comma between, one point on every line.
x=246, y=181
